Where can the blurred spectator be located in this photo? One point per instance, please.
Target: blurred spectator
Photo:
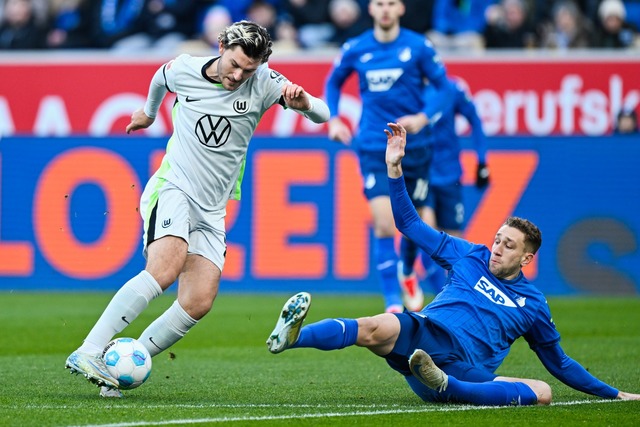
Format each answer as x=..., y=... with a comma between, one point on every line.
x=612, y=30
x=215, y=19
x=23, y=24
x=166, y=23
x=134, y=25
x=348, y=20
x=459, y=24
x=265, y=14
x=508, y=26
x=418, y=16
x=568, y=29
x=239, y=9
x=286, y=37
x=626, y=122
x=633, y=12
x=114, y=22
x=312, y=21
x=70, y=24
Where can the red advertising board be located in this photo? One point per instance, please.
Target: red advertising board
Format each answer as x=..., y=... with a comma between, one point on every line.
x=516, y=95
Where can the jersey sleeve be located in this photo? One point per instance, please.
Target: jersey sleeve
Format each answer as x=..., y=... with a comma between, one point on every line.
x=163, y=81
x=438, y=104
x=340, y=71
x=272, y=83
x=435, y=71
x=445, y=249
x=543, y=332
x=467, y=109
x=544, y=340
x=570, y=372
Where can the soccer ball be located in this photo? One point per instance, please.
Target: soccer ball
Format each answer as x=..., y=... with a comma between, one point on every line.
x=128, y=361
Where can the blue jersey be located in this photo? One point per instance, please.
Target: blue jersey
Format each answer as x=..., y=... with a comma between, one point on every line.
x=484, y=314
x=445, y=167
x=391, y=78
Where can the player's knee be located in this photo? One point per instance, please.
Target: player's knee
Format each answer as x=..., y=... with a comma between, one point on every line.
x=543, y=392
x=197, y=306
x=198, y=309
x=366, y=329
x=376, y=333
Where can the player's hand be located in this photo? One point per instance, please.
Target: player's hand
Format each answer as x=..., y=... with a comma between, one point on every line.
x=139, y=120
x=627, y=396
x=413, y=123
x=338, y=131
x=396, y=142
x=482, y=175
x=295, y=97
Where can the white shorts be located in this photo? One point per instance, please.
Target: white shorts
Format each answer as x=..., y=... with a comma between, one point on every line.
x=168, y=211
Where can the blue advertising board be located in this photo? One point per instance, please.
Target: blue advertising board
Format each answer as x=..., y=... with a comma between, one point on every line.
x=69, y=213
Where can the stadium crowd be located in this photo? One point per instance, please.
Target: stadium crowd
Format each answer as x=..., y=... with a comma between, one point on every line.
x=171, y=26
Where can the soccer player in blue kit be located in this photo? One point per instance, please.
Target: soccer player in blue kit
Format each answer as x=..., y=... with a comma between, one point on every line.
x=449, y=351
x=392, y=64
x=445, y=204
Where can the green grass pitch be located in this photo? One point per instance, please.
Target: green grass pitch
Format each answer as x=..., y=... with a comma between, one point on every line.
x=222, y=373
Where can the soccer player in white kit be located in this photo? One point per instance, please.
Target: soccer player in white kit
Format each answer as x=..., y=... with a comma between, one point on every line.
x=219, y=102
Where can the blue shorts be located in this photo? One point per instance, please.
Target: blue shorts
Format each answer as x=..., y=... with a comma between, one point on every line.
x=415, y=168
x=419, y=332
x=446, y=201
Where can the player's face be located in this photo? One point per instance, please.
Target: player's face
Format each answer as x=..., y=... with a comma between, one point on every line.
x=234, y=67
x=508, y=253
x=386, y=13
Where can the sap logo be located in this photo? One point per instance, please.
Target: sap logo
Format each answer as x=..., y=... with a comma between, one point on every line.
x=494, y=294
x=382, y=80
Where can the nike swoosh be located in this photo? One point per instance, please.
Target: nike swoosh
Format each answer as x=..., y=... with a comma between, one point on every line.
x=124, y=319
x=151, y=340
x=191, y=99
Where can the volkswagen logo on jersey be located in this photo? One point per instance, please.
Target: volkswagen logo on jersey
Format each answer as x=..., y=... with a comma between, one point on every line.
x=495, y=295
x=213, y=131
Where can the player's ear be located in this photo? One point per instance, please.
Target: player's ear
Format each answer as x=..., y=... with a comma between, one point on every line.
x=526, y=259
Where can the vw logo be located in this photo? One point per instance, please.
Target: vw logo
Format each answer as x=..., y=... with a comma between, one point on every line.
x=213, y=131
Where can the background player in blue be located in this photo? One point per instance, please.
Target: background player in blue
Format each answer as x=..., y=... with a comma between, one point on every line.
x=468, y=329
x=445, y=205
x=392, y=64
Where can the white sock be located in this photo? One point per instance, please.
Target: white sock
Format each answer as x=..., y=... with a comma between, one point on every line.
x=125, y=306
x=167, y=329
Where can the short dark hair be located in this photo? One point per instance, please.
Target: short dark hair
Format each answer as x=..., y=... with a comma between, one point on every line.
x=532, y=234
x=254, y=39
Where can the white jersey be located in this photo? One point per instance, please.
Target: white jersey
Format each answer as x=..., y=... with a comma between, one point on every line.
x=212, y=127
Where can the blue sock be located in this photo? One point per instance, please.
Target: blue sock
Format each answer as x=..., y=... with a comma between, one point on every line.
x=328, y=334
x=491, y=393
x=408, y=255
x=435, y=274
x=387, y=266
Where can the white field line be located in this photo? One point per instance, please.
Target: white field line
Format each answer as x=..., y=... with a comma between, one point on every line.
x=383, y=410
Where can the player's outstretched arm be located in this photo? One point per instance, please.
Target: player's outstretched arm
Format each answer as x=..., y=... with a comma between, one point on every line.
x=339, y=131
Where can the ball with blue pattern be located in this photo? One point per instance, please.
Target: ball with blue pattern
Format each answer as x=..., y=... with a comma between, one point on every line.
x=128, y=361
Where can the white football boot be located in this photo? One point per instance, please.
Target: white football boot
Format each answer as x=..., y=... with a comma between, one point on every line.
x=287, y=330
x=91, y=367
x=424, y=369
